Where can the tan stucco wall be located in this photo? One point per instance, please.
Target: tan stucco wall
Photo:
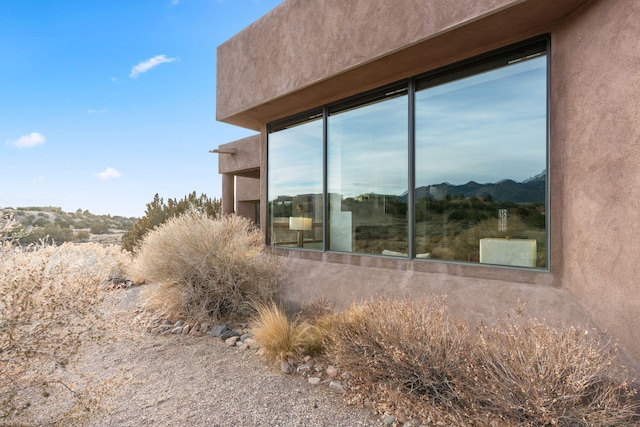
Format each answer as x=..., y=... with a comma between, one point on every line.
x=307, y=53
x=241, y=157
x=334, y=48
x=596, y=157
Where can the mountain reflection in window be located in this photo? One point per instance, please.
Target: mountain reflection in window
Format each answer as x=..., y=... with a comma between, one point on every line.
x=481, y=153
x=479, y=164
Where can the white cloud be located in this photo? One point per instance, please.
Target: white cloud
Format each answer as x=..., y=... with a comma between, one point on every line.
x=175, y=2
x=145, y=66
x=96, y=111
x=30, y=140
x=108, y=173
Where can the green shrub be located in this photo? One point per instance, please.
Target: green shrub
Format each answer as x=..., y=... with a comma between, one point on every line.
x=82, y=236
x=216, y=266
x=158, y=213
x=51, y=232
x=99, y=228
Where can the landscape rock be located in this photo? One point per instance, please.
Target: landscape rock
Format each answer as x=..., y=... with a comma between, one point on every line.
x=337, y=387
x=332, y=371
x=231, y=341
x=286, y=367
x=314, y=380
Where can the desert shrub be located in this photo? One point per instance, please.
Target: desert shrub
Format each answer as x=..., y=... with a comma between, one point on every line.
x=49, y=298
x=99, y=228
x=218, y=265
x=412, y=359
x=158, y=212
x=10, y=230
x=283, y=338
x=529, y=372
x=51, y=232
x=82, y=236
x=316, y=309
x=408, y=353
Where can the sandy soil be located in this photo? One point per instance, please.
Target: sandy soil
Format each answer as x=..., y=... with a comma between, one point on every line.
x=198, y=381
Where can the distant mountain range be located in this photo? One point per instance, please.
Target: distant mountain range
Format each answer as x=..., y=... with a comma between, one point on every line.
x=531, y=190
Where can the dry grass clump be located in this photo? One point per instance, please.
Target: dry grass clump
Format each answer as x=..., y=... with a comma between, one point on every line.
x=413, y=360
x=211, y=268
x=282, y=338
x=406, y=355
x=49, y=297
x=529, y=372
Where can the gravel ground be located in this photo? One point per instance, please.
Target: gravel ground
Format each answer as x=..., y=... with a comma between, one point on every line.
x=199, y=381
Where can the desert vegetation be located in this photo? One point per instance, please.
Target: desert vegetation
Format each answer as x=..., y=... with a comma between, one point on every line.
x=158, y=212
x=412, y=359
x=35, y=223
x=209, y=268
x=49, y=306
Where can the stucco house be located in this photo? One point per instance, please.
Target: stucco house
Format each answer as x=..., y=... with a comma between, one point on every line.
x=488, y=150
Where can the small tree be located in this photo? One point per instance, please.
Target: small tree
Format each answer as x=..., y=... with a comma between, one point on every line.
x=158, y=212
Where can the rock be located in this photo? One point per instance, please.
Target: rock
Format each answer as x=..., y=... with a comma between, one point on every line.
x=229, y=333
x=166, y=322
x=245, y=337
x=332, y=371
x=304, y=368
x=306, y=359
x=337, y=387
x=252, y=343
x=218, y=330
x=204, y=327
x=389, y=419
x=178, y=323
x=286, y=367
x=185, y=329
x=314, y=380
x=243, y=346
x=164, y=327
x=177, y=330
x=261, y=351
x=231, y=341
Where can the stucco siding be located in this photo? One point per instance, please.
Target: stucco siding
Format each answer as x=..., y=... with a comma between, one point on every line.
x=306, y=52
x=596, y=148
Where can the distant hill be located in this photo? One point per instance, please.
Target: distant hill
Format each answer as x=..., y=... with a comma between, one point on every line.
x=531, y=190
x=69, y=226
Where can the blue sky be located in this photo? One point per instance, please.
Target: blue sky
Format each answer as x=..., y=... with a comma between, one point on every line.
x=105, y=103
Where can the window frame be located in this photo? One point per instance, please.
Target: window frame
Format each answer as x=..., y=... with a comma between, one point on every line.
x=539, y=45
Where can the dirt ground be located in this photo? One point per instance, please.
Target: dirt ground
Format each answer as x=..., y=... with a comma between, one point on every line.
x=175, y=380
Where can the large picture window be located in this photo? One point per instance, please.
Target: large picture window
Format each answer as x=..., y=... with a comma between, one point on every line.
x=295, y=183
x=470, y=140
x=367, y=174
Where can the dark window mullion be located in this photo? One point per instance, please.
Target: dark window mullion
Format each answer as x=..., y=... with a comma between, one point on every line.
x=411, y=171
x=325, y=180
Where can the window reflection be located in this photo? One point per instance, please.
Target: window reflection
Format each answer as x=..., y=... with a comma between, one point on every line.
x=295, y=185
x=479, y=162
x=481, y=167
x=367, y=177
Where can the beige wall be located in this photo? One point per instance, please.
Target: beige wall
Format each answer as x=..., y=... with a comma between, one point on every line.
x=334, y=48
x=307, y=53
x=596, y=162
